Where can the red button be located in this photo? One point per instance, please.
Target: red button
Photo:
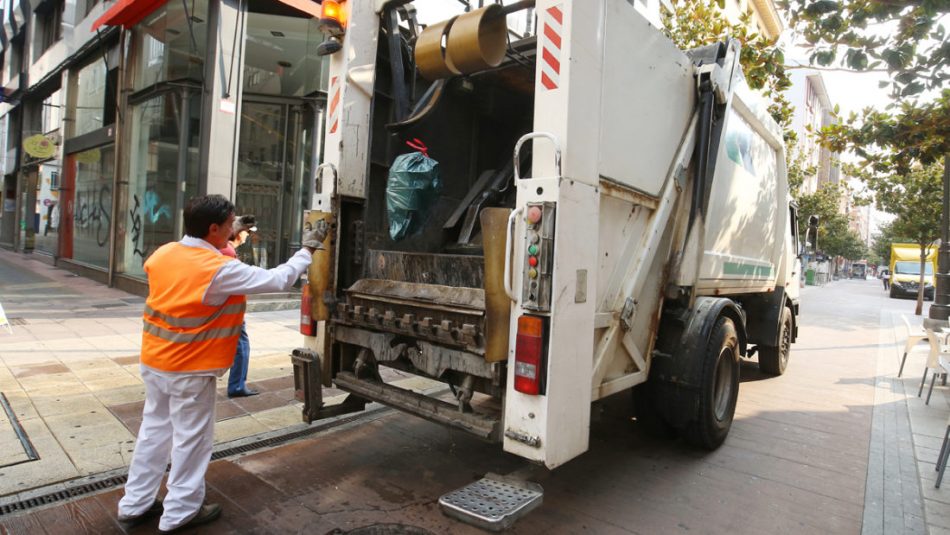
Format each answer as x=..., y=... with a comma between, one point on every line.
x=532, y=261
x=534, y=214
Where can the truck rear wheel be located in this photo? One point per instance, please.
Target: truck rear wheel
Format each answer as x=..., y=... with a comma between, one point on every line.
x=774, y=360
x=719, y=388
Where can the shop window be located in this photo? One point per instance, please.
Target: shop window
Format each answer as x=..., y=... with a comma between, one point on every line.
x=47, y=211
x=159, y=152
x=170, y=44
x=92, y=93
x=92, y=205
x=280, y=56
x=49, y=25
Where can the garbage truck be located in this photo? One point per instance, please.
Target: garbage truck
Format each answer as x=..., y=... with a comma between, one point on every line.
x=604, y=214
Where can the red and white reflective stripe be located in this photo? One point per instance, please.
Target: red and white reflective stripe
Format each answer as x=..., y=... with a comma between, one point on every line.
x=334, y=105
x=551, y=47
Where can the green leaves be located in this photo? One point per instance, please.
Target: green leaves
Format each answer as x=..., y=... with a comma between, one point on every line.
x=696, y=23
x=821, y=7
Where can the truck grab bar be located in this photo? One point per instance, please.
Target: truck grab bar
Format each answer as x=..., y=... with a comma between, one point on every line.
x=322, y=189
x=509, y=240
x=533, y=135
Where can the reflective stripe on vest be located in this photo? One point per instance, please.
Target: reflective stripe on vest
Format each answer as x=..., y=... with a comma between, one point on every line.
x=180, y=332
x=237, y=308
x=186, y=338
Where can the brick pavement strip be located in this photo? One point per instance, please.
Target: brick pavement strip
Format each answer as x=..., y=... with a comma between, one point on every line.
x=892, y=501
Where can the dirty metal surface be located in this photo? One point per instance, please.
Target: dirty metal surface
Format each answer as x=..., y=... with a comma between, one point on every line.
x=442, y=314
x=484, y=426
x=464, y=271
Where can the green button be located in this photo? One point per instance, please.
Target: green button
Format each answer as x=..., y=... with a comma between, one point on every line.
x=532, y=249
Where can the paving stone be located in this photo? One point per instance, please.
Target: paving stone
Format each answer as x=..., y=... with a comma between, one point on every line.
x=48, y=406
x=234, y=428
x=22, y=372
x=117, y=396
x=280, y=417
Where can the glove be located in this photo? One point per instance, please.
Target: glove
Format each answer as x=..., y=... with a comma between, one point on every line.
x=314, y=238
x=243, y=223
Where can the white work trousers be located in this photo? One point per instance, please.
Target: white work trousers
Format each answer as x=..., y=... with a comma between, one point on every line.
x=177, y=422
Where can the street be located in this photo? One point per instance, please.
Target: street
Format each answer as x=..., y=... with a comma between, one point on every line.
x=836, y=445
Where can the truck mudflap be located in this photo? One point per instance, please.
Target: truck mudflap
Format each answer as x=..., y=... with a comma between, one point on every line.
x=481, y=425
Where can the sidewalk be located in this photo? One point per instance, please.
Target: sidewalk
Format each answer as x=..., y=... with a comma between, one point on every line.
x=70, y=373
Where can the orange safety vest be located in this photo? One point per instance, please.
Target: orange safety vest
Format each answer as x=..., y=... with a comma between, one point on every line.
x=182, y=334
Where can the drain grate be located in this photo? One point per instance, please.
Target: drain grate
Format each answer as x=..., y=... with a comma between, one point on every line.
x=61, y=495
x=115, y=481
x=17, y=321
x=492, y=504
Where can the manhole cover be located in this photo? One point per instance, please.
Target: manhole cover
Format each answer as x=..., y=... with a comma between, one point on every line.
x=383, y=529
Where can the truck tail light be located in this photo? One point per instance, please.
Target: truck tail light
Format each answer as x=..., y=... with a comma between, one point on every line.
x=308, y=327
x=529, y=355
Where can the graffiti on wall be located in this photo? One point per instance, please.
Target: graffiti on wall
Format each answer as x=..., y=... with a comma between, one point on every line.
x=152, y=210
x=93, y=206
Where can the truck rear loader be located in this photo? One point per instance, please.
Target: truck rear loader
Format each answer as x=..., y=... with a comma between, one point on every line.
x=614, y=215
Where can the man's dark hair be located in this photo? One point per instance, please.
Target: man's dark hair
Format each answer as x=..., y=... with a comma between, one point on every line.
x=202, y=212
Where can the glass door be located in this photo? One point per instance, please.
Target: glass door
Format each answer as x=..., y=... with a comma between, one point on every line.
x=274, y=163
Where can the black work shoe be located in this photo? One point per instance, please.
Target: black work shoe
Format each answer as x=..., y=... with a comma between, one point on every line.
x=247, y=392
x=129, y=522
x=209, y=512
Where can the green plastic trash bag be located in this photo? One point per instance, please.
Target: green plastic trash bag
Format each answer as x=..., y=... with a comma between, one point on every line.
x=411, y=189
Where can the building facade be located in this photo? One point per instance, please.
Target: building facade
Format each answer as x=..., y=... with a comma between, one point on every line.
x=765, y=18
x=114, y=113
x=813, y=111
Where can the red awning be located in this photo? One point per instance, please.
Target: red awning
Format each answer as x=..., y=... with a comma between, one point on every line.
x=128, y=13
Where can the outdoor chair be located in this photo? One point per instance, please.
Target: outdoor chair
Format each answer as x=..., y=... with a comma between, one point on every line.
x=915, y=335
x=942, y=458
x=938, y=362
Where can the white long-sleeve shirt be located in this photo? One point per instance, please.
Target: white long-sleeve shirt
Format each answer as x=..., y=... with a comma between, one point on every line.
x=238, y=278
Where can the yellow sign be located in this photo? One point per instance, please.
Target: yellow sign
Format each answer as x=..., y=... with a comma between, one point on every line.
x=39, y=146
x=87, y=157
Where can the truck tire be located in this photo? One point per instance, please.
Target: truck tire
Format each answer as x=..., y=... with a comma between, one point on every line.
x=719, y=388
x=774, y=360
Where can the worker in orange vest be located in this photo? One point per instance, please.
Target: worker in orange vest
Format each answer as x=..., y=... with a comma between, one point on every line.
x=193, y=316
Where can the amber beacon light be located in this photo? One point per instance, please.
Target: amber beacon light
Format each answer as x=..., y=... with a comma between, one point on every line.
x=333, y=24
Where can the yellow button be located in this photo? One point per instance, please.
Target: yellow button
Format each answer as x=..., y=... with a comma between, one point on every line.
x=533, y=273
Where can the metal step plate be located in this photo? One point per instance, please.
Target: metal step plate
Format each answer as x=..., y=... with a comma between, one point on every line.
x=491, y=503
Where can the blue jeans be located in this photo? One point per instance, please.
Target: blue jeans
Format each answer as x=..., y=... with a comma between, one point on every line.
x=238, y=374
